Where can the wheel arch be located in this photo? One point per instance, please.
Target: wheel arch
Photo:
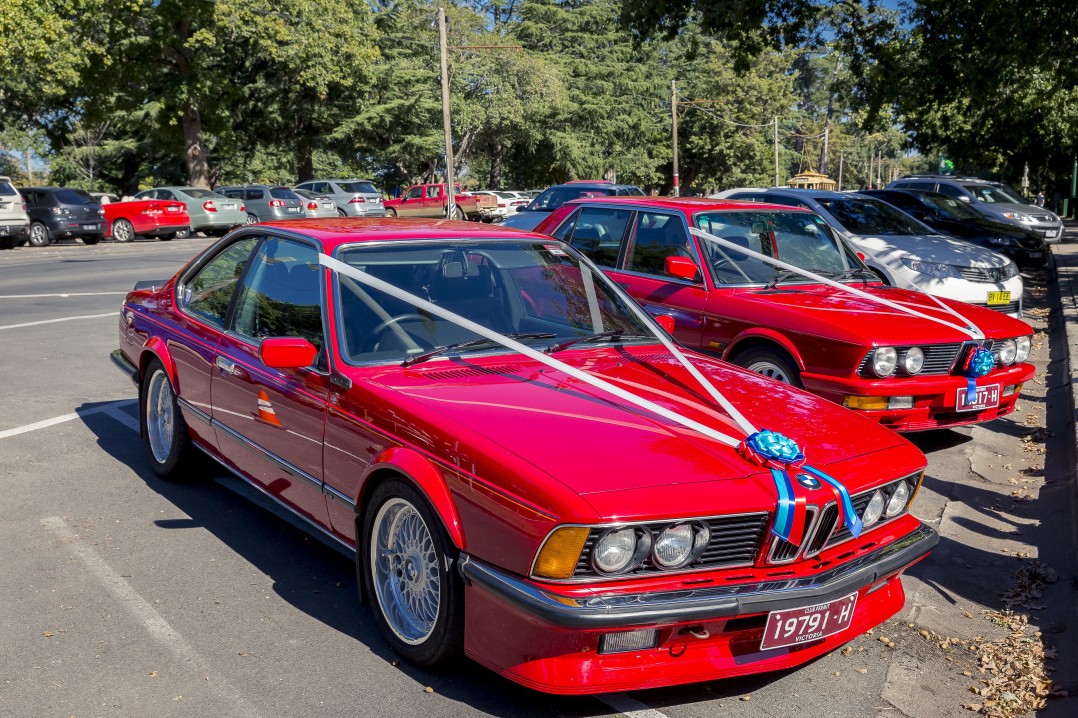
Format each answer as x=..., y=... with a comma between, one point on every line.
x=765, y=338
x=155, y=348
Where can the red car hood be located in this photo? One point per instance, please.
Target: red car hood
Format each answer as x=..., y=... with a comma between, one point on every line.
x=822, y=310
x=594, y=443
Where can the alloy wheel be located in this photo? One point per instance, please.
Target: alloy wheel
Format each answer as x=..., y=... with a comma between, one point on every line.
x=160, y=416
x=405, y=571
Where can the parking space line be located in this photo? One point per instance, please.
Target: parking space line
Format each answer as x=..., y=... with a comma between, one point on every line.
x=152, y=621
x=68, y=294
x=114, y=314
x=124, y=418
x=110, y=408
x=628, y=706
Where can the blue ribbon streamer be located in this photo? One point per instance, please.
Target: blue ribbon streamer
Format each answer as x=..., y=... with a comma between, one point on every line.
x=849, y=514
x=785, y=507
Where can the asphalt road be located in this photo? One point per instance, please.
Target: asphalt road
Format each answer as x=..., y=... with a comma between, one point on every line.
x=123, y=595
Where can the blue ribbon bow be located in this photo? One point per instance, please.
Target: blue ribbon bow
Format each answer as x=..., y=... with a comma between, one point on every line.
x=979, y=362
x=779, y=454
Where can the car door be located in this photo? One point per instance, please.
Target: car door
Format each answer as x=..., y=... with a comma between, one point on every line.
x=433, y=202
x=653, y=237
x=271, y=421
x=204, y=298
x=412, y=203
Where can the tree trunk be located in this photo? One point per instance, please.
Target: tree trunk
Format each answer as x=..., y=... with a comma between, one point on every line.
x=496, y=163
x=194, y=148
x=305, y=168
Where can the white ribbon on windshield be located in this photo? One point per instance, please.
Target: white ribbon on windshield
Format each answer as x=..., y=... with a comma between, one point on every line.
x=586, y=377
x=969, y=329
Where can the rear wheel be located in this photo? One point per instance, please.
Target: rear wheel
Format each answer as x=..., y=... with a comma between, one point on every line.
x=7, y=243
x=164, y=432
x=123, y=230
x=39, y=235
x=771, y=363
x=341, y=212
x=251, y=219
x=457, y=212
x=183, y=233
x=91, y=240
x=408, y=568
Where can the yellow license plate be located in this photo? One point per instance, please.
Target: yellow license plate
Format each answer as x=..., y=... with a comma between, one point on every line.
x=995, y=298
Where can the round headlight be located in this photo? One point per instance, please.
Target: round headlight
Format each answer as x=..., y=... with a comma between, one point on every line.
x=873, y=510
x=679, y=545
x=898, y=500
x=615, y=550
x=1007, y=351
x=914, y=360
x=884, y=360
x=1021, y=349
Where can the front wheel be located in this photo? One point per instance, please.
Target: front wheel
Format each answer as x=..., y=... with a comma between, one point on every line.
x=770, y=363
x=408, y=566
x=390, y=212
x=39, y=235
x=123, y=230
x=164, y=432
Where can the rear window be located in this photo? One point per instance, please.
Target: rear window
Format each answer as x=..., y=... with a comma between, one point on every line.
x=557, y=196
x=7, y=190
x=282, y=193
x=357, y=187
x=74, y=196
x=201, y=193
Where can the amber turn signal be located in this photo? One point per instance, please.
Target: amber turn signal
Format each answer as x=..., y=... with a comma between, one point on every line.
x=560, y=553
x=852, y=401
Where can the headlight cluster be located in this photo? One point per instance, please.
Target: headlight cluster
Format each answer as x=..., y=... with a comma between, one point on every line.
x=885, y=360
x=933, y=269
x=1001, y=241
x=1008, y=272
x=889, y=501
x=1012, y=351
x=1018, y=217
x=620, y=550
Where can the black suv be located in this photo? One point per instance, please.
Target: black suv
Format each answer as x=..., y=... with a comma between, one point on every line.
x=951, y=216
x=59, y=212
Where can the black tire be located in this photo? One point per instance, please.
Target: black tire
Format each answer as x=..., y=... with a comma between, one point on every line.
x=123, y=230
x=7, y=243
x=390, y=212
x=457, y=212
x=341, y=213
x=91, y=240
x=183, y=234
x=170, y=462
x=397, y=502
x=772, y=363
x=251, y=219
x=39, y=235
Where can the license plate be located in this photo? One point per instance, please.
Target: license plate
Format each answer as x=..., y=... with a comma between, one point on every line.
x=228, y=205
x=373, y=200
x=1051, y=233
x=794, y=626
x=173, y=209
x=997, y=298
x=90, y=226
x=987, y=397
x=1036, y=255
x=293, y=209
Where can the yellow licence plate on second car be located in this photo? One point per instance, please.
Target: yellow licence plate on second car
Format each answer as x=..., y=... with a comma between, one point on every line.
x=995, y=298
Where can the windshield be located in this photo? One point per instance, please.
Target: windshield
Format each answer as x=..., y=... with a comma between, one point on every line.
x=508, y=286
x=555, y=197
x=866, y=216
x=949, y=207
x=797, y=238
x=365, y=187
x=994, y=193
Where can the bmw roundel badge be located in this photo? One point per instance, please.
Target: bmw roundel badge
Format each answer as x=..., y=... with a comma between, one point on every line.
x=809, y=482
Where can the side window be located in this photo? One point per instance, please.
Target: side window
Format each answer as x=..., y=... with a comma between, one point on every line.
x=656, y=237
x=951, y=191
x=210, y=291
x=432, y=191
x=320, y=188
x=414, y=193
x=255, y=194
x=281, y=294
x=164, y=194
x=565, y=228
x=754, y=196
x=598, y=232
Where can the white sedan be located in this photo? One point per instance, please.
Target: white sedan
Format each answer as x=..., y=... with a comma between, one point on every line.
x=904, y=252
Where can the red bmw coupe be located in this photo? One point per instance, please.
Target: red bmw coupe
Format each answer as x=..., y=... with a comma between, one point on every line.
x=894, y=355
x=524, y=466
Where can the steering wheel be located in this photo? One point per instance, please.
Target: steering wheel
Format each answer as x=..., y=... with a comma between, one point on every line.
x=379, y=331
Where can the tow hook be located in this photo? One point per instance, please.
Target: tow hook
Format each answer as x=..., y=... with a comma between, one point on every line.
x=698, y=632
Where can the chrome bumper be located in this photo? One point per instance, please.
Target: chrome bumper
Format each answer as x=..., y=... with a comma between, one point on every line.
x=711, y=602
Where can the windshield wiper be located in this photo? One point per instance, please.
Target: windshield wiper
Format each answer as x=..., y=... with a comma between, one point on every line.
x=851, y=273
x=612, y=334
x=413, y=360
x=782, y=277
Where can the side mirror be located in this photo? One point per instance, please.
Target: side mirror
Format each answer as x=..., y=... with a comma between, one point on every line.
x=682, y=268
x=965, y=199
x=666, y=322
x=287, y=352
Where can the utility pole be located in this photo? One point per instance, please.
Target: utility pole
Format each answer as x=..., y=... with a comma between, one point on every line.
x=776, y=151
x=673, y=118
x=29, y=174
x=451, y=202
x=827, y=118
x=841, y=157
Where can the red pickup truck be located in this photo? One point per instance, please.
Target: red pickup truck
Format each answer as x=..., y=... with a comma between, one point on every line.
x=429, y=200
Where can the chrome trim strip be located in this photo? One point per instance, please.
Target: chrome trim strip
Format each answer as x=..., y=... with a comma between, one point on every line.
x=340, y=498
x=195, y=411
x=121, y=362
x=601, y=611
x=292, y=470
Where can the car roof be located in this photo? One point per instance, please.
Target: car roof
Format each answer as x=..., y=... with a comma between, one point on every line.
x=597, y=184
x=333, y=233
x=684, y=204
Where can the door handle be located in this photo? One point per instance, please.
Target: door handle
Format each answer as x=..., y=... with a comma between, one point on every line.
x=226, y=365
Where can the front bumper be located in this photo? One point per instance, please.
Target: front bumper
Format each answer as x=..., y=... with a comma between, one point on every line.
x=549, y=640
x=1052, y=233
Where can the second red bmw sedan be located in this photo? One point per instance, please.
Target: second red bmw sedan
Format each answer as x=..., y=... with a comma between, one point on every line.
x=905, y=364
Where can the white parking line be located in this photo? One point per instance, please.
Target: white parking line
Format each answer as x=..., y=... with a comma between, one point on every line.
x=628, y=706
x=144, y=612
x=69, y=294
x=115, y=315
x=112, y=409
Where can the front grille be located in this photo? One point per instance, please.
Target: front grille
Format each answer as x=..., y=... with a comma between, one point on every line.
x=982, y=274
x=823, y=531
x=842, y=533
x=939, y=359
x=1042, y=218
x=782, y=551
x=735, y=541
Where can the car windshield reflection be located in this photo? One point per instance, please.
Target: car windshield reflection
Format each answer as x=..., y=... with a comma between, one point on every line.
x=537, y=291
